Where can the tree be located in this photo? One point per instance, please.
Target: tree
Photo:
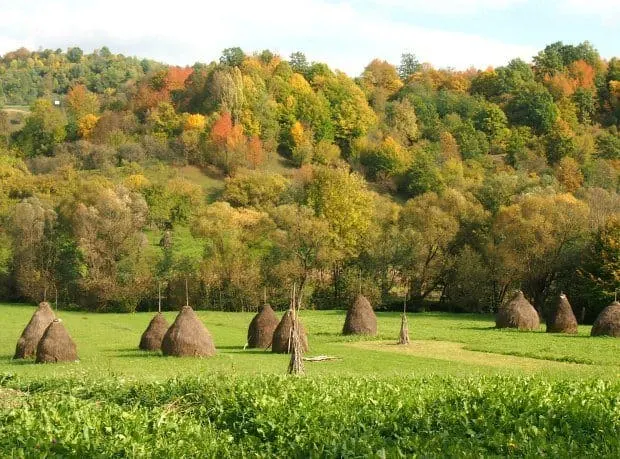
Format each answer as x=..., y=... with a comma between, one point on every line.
x=428, y=232
x=35, y=252
x=569, y=174
x=86, y=124
x=44, y=129
x=80, y=102
x=599, y=275
x=409, y=65
x=401, y=118
x=256, y=153
x=299, y=63
x=256, y=189
x=194, y=122
x=75, y=55
x=106, y=223
x=532, y=105
x=559, y=142
x=538, y=238
x=379, y=81
x=229, y=144
x=302, y=144
x=341, y=198
x=232, y=57
x=234, y=241
x=301, y=244
x=351, y=115
x=388, y=158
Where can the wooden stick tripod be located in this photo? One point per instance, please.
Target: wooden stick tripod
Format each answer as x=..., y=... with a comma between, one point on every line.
x=403, y=338
x=296, y=364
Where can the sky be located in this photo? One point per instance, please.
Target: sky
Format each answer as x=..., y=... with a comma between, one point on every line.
x=347, y=35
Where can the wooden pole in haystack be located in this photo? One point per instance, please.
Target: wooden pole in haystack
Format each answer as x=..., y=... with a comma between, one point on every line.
x=403, y=338
x=186, y=293
x=296, y=364
x=159, y=297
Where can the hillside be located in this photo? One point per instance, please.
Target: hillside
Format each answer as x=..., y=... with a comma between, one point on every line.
x=245, y=176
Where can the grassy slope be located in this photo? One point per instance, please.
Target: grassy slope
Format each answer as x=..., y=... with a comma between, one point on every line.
x=107, y=345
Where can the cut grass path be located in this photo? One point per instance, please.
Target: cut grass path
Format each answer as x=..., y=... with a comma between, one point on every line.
x=465, y=345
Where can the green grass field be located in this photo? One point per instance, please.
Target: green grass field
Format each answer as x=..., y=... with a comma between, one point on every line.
x=459, y=345
x=461, y=389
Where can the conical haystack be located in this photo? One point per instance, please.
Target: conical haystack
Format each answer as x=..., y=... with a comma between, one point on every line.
x=187, y=336
x=260, y=331
x=56, y=345
x=518, y=313
x=361, y=319
x=608, y=321
x=281, y=342
x=28, y=341
x=154, y=333
x=562, y=318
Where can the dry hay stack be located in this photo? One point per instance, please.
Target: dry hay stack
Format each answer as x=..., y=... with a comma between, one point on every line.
x=154, y=333
x=518, y=313
x=403, y=337
x=56, y=345
x=562, y=319
x=260, y=331
x=188, y=337
x=608, y=321
x=28, y=341
x=281, y=342
x=361, y=319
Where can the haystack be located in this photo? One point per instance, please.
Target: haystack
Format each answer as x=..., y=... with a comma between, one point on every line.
x=28, y=341
x=187, y=336
x=154, y=333
x=608, y=321
x=56, y=345
x=260, y=331
x=361, y=319
x=562, y=318
x=281, y=342
x=518, y=313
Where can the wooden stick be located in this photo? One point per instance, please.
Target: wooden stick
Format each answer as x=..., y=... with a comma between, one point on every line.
x=186, y=293
x=159, y=297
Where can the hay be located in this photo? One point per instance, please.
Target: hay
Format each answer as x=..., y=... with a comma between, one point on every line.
x=361, y=319
x=518, y=313
x=188, y=336
x=562, y=318
x=281, y=342
x=154, y=333
x=403, y=338
x=296, y=364
x=32, y=334
x=608, y=321
x=260, y=331
x=56, y=345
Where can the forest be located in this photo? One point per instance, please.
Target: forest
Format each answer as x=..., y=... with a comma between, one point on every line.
x=122, y=177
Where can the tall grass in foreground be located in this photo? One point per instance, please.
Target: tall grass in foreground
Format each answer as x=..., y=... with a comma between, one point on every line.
x=271, y=416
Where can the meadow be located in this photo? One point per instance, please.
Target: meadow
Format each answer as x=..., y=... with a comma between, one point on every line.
x=462, y=388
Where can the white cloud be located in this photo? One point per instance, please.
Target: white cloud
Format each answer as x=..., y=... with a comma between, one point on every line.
x=339, y=33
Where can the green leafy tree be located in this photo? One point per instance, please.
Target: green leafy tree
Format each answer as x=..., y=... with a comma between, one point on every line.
x=409, y=65
x=44, y=129
x=532, y=105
